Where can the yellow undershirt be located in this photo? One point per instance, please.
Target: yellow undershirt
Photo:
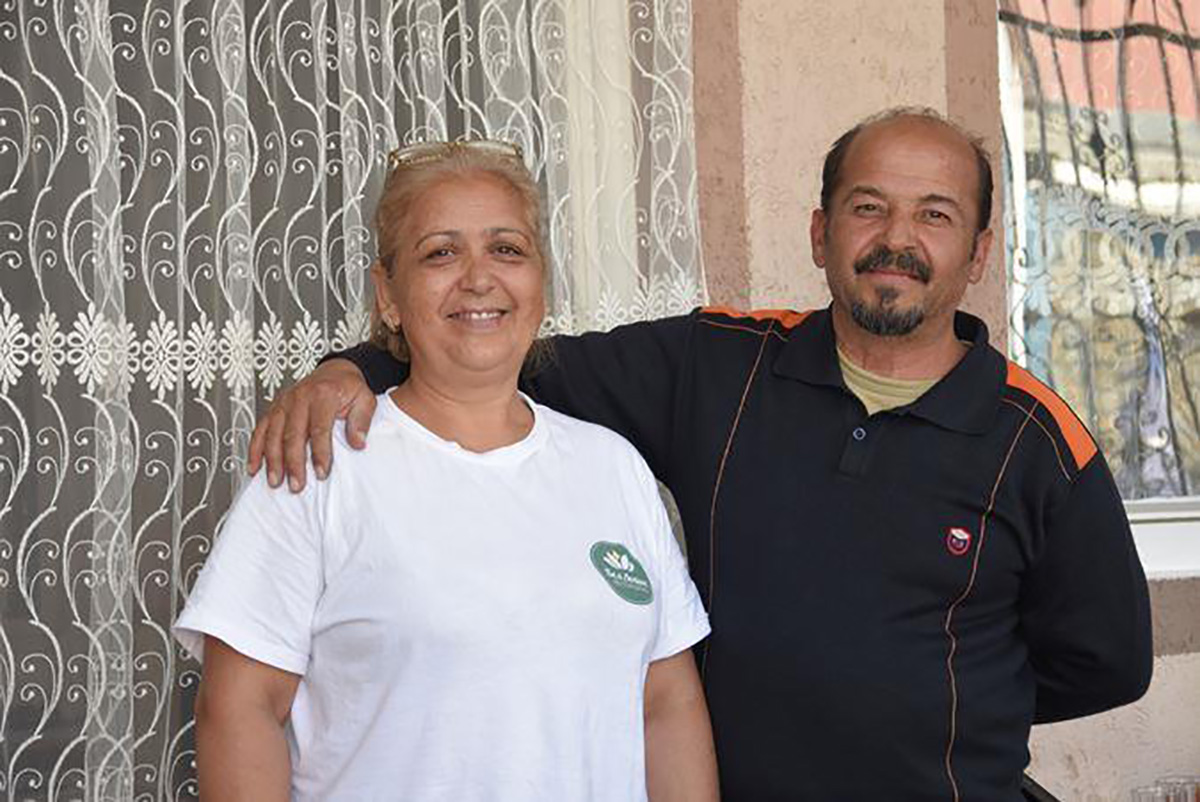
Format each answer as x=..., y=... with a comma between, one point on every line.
x=878, y=393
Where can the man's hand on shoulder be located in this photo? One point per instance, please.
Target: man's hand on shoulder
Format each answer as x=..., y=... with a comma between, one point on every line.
x=303, y=414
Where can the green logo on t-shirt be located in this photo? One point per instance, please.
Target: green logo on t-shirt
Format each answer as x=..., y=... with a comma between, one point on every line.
x=623, y=573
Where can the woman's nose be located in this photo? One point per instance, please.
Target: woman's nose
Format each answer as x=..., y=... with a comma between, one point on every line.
x=477, y=274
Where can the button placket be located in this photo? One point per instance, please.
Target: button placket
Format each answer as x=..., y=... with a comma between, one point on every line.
x=857, y=450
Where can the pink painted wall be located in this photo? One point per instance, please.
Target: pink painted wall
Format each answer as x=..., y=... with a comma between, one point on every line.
x=776, y=83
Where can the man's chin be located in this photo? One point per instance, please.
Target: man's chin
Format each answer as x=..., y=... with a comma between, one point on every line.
x=886, y=321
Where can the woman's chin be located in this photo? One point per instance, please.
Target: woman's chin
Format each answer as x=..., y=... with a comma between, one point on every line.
x=483, y=365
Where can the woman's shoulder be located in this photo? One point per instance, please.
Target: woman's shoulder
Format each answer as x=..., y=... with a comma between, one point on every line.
x=585, y=433
x=383, y=428
x=596, y=442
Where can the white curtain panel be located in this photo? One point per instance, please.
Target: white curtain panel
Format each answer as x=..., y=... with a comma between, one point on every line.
x=186, y=191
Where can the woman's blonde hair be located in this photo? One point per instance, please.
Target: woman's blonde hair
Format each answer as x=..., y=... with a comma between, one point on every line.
x=408, y=179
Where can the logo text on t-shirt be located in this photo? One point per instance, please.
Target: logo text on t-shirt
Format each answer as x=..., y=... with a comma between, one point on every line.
x=622, y=571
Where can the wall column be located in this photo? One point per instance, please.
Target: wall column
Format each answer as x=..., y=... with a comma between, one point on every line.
x=777, y=82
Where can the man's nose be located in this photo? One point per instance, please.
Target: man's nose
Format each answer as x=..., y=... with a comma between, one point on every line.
x=900, y=233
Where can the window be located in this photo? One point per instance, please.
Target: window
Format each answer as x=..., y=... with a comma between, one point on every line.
x=1101, y=105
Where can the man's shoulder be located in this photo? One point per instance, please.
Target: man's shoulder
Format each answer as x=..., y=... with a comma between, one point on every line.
x=1051, y=415
x=754, y=321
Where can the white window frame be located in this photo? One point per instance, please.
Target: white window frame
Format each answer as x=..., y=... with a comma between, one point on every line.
x=1167, y=534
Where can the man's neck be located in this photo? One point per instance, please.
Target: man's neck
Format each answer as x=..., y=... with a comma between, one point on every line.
x=930, y=352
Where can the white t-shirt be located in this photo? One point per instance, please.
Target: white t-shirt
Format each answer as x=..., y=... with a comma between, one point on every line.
x=467, y=626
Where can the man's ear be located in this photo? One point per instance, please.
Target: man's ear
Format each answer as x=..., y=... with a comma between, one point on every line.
x=385, y=307
x=979, y=256
x=816, y=236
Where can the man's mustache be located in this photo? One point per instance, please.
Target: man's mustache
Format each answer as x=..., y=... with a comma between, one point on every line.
x=904, y=261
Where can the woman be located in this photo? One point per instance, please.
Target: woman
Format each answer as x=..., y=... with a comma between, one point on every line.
x=486, y=603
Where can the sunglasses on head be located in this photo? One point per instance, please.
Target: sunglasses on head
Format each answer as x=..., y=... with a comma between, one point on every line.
x=422, y=152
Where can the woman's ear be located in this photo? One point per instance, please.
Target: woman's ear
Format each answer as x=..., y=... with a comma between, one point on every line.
x=385, y=307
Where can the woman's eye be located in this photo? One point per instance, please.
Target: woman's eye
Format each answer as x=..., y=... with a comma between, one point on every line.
x=439, y=253
x=508, y=249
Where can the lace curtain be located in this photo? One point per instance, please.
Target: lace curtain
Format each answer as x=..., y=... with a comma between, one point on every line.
x=186, y=190
x=1102, y=145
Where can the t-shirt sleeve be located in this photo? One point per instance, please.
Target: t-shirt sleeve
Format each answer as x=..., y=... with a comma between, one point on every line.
x=262, y=583
x=682, y=621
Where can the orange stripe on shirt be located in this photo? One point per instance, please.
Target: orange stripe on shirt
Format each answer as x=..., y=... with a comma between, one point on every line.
x=785, y=317
x=1082, y=446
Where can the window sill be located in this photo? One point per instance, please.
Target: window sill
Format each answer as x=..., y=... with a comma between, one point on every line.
x=1167, y=534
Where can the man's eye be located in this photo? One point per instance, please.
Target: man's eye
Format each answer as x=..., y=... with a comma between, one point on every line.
x=937, y=216
x=866, y=208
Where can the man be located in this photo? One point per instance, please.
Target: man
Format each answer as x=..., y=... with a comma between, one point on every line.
x=910, y=549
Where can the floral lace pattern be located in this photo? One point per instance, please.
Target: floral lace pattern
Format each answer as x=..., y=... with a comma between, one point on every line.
x=186, y=191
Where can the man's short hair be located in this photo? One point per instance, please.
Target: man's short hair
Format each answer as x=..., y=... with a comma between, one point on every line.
x=831, y=173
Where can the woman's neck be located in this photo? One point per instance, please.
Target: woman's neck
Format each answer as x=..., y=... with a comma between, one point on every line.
x=478, y=419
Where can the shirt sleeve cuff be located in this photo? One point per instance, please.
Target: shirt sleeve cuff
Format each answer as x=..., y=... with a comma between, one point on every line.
x=190, y=631
x=680, y=639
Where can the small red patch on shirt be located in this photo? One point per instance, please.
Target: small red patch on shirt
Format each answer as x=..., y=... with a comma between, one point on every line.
x=958, y=541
